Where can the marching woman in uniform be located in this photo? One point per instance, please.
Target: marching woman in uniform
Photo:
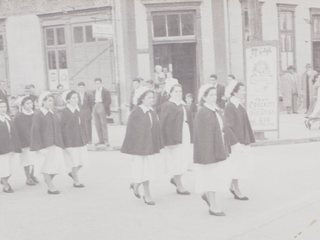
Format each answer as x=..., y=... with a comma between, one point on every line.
x=211, y=149
x=238, y=123
x=46, y=140
x=143, y=143
x=23, y=124
x=9, y=145
x=176, y=125
x=74, y=137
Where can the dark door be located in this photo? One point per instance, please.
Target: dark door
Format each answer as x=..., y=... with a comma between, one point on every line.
x=316, y=55
x=182, y=57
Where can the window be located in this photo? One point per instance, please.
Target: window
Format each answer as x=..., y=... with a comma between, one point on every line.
x=60, y=36
x=173, y=25
x=55, y=36
x=286, y=36
x=89, y=35
x=1, y=43
x=62, y=54
x=316, y=26
x=52, y=60
x=50, y=36
x=78, y=34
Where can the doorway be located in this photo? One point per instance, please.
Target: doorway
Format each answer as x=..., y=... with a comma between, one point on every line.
x=180, y=60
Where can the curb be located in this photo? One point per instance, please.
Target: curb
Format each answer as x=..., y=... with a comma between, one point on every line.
x=285, y=141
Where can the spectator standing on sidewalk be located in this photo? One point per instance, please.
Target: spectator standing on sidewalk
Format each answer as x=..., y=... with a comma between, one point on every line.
x=85, y=105
x=58, y=100
x=143, y=143
x=101, y=109
x=30, y=91
x=307, y=86
x=239, y=127
x=135, y=85
x=211, y=149
x=289, y=87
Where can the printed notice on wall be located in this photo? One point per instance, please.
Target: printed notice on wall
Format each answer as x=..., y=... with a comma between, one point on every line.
x=262, y=86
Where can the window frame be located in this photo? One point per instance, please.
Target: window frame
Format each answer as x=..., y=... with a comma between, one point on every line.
x=285, y=8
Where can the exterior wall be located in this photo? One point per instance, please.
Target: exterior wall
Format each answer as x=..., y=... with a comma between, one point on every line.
x=26, y=59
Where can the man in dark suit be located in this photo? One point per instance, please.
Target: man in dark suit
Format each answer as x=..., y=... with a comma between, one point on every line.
x=4, y=94
x=85, y=105
x=101, y=109
x=221, y=102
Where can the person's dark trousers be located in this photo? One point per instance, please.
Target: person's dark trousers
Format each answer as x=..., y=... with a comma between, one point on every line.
x=88, y=129
x=100, y=120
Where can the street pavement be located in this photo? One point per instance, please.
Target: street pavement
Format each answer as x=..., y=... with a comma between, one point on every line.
x=283, y=185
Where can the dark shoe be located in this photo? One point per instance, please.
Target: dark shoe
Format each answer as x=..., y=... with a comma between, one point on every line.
x=8, y=190
x=80, y=185
x=152, y=203
x=30, y=182
x=35, y=179
x=173, y=182
x=70, y=175
x=218, y=214
x=183, y=192
x=237, y=197
x=136, y=193
x=204, y=198
x=53, y=192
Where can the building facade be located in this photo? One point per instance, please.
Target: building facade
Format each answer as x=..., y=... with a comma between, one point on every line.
x=51, y=42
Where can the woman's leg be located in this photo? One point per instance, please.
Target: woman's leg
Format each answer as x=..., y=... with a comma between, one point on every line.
x=214, y=206
x=48, y=178
x=75, y=177
x=6, y=185
x=27, y=171
x=178, y=183
x=235, y=189
x=147, y=196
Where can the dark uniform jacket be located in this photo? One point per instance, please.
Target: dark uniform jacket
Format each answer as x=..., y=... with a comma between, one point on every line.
x=73, y=133
x=106, y=100
x=23, y=124
x=171, y=122
x=9, y=141
x=220, y=94
x=4, y=97
x=210, y=145
x=45, y=131
x=239, y=125
x=142, y=137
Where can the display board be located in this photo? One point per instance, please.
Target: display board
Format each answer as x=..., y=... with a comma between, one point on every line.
x=262, y=85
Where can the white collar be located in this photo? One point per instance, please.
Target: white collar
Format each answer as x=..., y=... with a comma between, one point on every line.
x=177, y=103
x=211, y=107
x=45, y=111
x=4, y=118
x=145, y=108
x=236, y=101
x=27, y=113
x=73, y=109
x=99, y=89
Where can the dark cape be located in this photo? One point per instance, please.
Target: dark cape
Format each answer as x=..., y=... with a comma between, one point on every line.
x=209, y=144
x=73, y=132
x=45, y=131
x=171, y=122
x=23, y=124
x=9, y=141
x=141, y=138
x=237, y=121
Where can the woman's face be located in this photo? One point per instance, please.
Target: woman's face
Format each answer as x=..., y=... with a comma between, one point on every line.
x=74, y=100
x=3, y=108
x=176, y=93
x=28, y=105
x=211, y=98
x=49, y=103
x=148, y=99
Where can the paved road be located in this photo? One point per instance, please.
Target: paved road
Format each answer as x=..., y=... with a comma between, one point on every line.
x=284, y=180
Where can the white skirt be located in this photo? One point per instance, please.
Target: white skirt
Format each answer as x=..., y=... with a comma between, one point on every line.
x=146, y=168
x=76, y=157
x=240, y=158
x=179, y=158
x=51, y=160
x=27, y=157
x=215, y=177
x=7, y=162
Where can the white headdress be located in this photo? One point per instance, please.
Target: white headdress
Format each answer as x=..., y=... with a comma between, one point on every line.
x=138, y=93
x=169, y=83
x=43, y=96
x=230, y=87
x=203, y=89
